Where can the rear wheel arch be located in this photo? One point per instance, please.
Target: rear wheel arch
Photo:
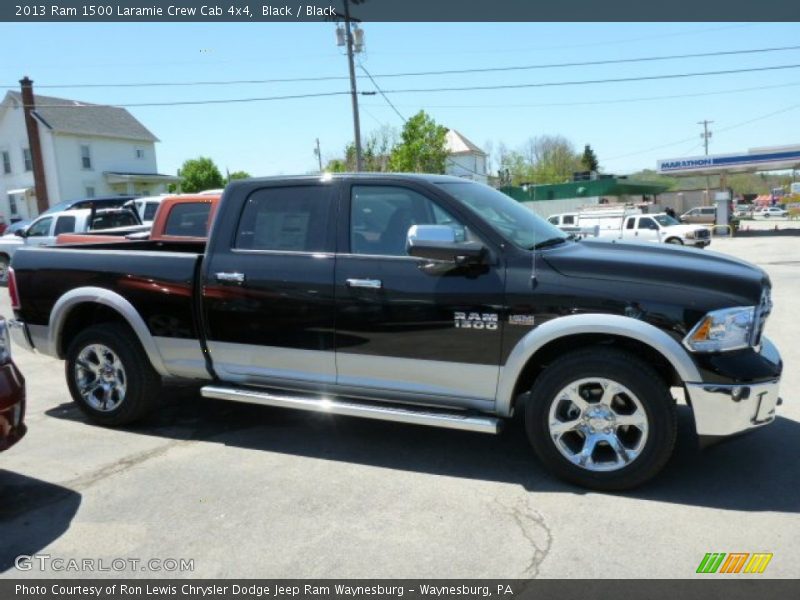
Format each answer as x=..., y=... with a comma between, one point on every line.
x=83, y=307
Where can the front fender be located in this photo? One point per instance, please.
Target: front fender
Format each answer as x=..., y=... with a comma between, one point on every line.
x=561, y=327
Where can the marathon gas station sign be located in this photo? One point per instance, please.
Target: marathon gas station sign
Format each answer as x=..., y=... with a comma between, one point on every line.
x=762, y=159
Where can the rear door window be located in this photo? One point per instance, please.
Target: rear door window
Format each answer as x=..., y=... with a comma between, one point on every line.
x=188, y=220
x=289, y=219
x=150, y=209
x=65, y=225
x=647, y=223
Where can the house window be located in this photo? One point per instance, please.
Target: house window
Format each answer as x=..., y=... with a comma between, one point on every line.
x=12, y=204
x=6, y=162
x=90, y=191
x=27, y=159
x=139, y=153
x=86, y=157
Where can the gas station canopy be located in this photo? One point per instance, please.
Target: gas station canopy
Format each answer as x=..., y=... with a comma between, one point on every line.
x=756, y=159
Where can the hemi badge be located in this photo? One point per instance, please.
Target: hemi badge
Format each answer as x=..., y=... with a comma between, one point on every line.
x=527, y=320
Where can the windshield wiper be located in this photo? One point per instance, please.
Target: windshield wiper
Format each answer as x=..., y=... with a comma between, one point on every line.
x=549, y=242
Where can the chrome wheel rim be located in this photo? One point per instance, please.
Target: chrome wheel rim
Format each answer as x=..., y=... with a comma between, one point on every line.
x=3, y=270
x=598, y=424
x=100, y=377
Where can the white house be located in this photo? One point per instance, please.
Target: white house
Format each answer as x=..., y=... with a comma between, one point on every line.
x=88, y=150
x=465, y=159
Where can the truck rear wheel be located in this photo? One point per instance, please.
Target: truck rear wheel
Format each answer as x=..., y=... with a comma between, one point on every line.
x=109, y=375
x=602, y=419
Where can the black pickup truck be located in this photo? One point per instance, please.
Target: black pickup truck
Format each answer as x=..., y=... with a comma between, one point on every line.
x=422, y=299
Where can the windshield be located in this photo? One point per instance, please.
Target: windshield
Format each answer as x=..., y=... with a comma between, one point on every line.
x=666, y=220
x=508, y=217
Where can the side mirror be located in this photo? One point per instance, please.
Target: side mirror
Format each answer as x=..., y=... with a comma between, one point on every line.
x=438, y=243
x=21, y=233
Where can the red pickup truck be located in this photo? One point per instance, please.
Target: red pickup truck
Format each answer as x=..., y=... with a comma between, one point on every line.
x=179, y=218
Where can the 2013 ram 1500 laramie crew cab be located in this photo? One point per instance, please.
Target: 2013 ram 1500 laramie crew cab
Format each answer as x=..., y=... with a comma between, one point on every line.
x=421, y=299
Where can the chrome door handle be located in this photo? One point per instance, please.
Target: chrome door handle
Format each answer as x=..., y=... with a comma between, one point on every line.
x=229, y=277
x=370, y=284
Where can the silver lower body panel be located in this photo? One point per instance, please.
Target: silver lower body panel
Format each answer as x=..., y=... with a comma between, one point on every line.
x=451, y=420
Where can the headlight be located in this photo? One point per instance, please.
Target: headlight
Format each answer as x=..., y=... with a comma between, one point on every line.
x=690, y=235
x=722, y=330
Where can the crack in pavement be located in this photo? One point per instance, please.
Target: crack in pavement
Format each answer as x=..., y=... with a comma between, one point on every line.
x=533, y=528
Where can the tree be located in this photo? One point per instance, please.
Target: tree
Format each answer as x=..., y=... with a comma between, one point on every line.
x=239, y=175
x=421, y=148
x=377, y=150
x=589, y=159
x=555, y=159
x=513, y=168
x=200, y=174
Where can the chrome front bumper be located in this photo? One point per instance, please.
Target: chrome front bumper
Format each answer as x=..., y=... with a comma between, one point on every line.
x=19, y=335
x=721, y=410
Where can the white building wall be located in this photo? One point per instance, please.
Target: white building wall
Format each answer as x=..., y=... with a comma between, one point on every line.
x=65, y=176
x=107, y=154
x=468, y=166
x=13, y=138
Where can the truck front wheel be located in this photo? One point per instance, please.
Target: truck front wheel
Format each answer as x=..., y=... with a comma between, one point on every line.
x=601, y=418
x=109, y=375
x=676, y=241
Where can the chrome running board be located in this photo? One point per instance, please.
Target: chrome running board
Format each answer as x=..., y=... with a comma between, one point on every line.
x=448, y=419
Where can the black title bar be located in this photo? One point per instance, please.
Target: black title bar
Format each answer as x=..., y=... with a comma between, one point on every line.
x=709, y=588
x=398, y=10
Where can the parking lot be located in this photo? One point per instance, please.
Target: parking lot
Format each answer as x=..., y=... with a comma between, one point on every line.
x=246, y=491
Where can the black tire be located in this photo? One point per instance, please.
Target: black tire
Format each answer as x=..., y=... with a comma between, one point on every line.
x=675, y=241
x=141, y=382
x=5, y=262
x=622, y=368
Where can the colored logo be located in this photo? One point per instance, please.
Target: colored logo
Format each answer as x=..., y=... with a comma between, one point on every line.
x=734, y=562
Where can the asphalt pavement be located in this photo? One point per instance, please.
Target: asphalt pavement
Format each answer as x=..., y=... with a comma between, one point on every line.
x=246, y=491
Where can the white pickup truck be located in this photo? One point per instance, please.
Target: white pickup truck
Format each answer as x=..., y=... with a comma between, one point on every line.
x=44, y=230
x=634, y=226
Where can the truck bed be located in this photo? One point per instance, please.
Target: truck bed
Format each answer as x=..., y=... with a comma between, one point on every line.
x=157, y=278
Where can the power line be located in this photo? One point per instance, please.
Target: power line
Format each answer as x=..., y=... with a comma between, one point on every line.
x=402, y=118
x=591, y=81
x=421, y=73
x=197, y=102
x=380, y=91
x=615, y=101
x=590, y=63
x=728, y=128
x=445, y=89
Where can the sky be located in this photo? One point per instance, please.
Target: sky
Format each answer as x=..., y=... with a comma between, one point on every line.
x=629, y=124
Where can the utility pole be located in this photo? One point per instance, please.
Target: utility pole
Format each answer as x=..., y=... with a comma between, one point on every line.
x=319, y=156
x=351, y=48
x=34, y=145
x=706, y=135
